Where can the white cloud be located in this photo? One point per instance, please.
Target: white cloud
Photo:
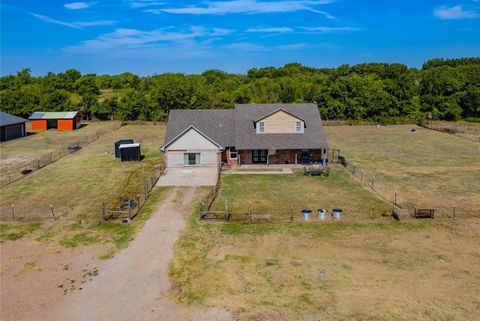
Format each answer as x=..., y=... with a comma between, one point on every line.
x=55, y=21
x=271, y=29
x=293, y=46
x=123, y=38
x=75, y=25
x=247, y=7
x=247, y=46
x=145, y=3
x=330, y=29
x=454, y=13
x=95, y=23
x=76, y=5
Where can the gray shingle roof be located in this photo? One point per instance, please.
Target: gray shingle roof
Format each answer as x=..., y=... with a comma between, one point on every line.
x=235, y=127
x=7, y=119
x=217, y=124
x=247, y=138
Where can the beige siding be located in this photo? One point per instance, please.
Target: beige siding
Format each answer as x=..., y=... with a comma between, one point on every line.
x=207, y=158
x=192, y=140
x=280, y=122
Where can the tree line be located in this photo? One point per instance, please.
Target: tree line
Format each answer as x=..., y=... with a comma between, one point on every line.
x=445, y=89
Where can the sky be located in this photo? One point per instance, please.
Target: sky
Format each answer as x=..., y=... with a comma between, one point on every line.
x=155, y=36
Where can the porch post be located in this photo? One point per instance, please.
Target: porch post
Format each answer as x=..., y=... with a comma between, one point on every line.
x=296, y=158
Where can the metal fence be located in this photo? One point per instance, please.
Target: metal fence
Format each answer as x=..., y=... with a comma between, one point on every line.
x=13, y=173
x=128, y=207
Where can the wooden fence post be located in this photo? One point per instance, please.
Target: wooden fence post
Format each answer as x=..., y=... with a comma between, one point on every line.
x=291, y=214
x=373, y=181
x=138, y=201
x=13, y=212
x=103, y=211
x=53, y=214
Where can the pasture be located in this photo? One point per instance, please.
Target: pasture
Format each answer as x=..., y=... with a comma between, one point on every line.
x=40, y=148
x=412, y=270
x=427, y=168
x=78, y=183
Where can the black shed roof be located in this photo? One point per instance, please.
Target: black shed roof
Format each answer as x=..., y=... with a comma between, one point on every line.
x=7, y=119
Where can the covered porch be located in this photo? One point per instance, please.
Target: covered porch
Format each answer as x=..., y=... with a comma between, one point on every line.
x=281, y=157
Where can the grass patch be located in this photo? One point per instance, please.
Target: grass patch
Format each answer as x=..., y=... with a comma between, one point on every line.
x=79, y=239
x=291, y=193
x=427, y=168
x=78, y=183
x=13, y=232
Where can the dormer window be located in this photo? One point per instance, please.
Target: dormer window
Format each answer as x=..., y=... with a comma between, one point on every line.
x=261, y=127
x=299, y=127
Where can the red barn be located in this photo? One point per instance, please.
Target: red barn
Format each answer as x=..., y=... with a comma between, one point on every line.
x=65, y=120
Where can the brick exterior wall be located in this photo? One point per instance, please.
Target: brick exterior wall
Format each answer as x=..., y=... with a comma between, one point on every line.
x=245, y=157
x=282, y=157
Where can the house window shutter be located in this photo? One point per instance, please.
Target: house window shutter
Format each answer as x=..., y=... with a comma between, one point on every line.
x=197, y=158
x=185, y=159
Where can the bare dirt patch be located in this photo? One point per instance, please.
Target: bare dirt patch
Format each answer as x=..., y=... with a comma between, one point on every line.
x=37, y=276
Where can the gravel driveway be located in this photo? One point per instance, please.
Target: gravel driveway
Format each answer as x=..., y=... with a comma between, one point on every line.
x=134, y=285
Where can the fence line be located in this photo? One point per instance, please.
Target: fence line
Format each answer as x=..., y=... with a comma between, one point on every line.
x=15, y=173
x=129, y=207
x=450, y=130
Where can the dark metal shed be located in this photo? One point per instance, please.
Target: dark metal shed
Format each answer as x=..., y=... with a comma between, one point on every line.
x=130, y=152
x=120, y=142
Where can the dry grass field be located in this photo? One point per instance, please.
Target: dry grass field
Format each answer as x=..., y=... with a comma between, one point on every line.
x=426, y=167
x=78, y=183
x=36, y=145
x=381, y=270
x=464, y=129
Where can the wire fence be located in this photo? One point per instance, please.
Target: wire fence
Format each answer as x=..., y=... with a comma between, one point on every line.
x=13, y=173
x=453, y=129
x=128, y=206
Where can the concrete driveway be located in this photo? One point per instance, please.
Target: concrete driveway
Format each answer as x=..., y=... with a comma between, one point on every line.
x=189, y=176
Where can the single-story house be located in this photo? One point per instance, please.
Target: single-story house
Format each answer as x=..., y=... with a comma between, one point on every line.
x=11, y=126
x=64, y=120
x=249, y=134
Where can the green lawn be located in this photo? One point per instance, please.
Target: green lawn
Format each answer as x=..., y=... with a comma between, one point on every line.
x=427, y=168
x=80, y=182
x=281, y=193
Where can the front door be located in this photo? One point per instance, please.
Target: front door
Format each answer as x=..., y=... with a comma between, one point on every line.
x=259, y=156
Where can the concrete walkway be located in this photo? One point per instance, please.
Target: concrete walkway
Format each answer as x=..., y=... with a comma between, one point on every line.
x=281, y=171
x=134, y=285
x=189, y=176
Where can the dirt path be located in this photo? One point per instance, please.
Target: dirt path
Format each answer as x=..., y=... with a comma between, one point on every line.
x=134, y=285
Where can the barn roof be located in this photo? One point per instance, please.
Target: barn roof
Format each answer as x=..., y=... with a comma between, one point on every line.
x=53, y=115
x=7, y=119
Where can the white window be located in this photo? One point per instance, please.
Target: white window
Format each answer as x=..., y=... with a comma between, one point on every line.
x=233, y=153
x=191, y=159
x=261, y=127
x=298, y=127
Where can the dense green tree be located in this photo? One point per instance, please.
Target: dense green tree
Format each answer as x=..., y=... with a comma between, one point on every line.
x=445, y=88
